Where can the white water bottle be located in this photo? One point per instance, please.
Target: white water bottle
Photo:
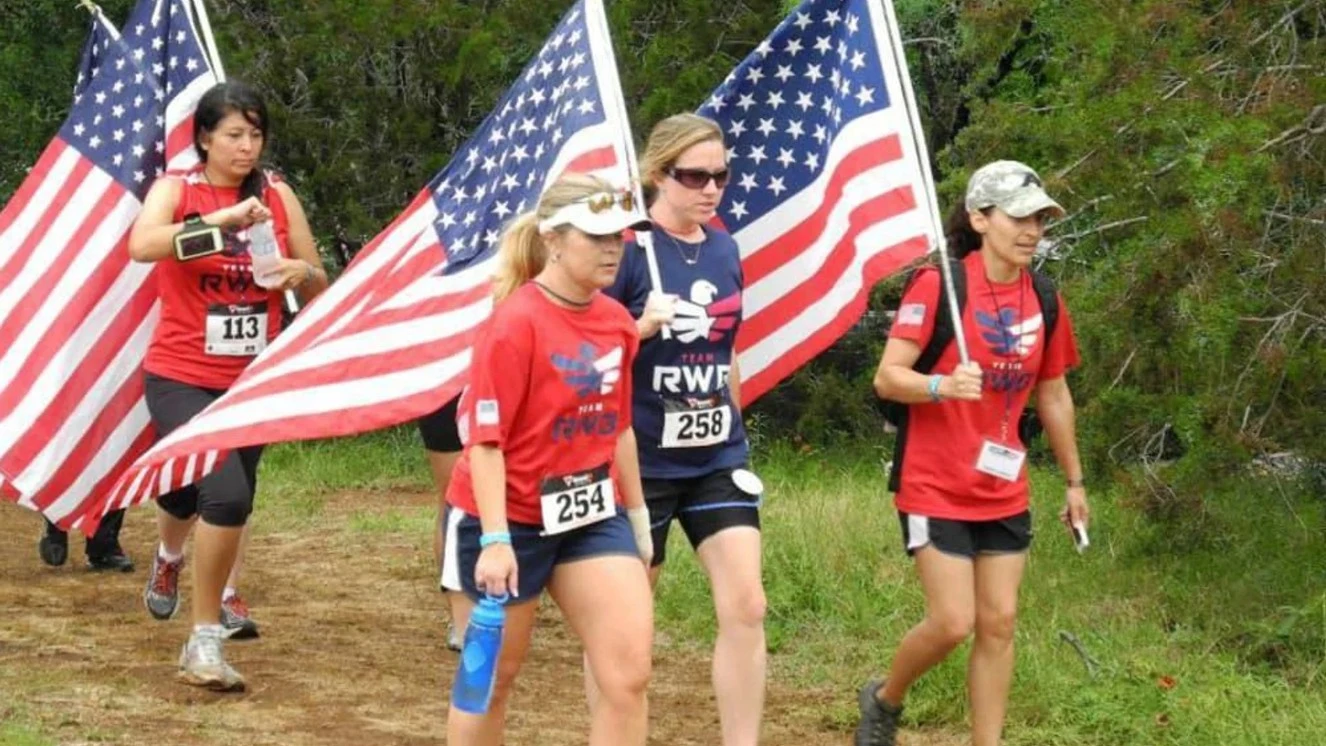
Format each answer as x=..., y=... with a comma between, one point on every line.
x=266, y=257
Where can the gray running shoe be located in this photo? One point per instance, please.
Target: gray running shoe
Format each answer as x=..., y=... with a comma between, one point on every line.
x=235, y=619
x=201, y=663
x=162, y=594
x=879, y=721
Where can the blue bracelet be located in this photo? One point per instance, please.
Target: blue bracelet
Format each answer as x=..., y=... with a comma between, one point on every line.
x=496, y=537
x=933, y=388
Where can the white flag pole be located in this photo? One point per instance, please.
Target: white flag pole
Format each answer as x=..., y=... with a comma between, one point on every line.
x=643, y=239
x=204, y=25
x=923, y=153
x=101, y=18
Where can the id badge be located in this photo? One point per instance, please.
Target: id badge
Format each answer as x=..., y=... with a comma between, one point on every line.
x=575, y=500
x=1004, y=462
x=695, y=422
x=236, y=330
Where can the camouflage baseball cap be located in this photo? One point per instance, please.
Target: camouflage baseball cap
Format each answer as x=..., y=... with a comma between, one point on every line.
x=1012, y=187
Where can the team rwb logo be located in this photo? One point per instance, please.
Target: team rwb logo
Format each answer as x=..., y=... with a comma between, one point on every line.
x=587, y=372
x=1006, y=337
x=703, y=317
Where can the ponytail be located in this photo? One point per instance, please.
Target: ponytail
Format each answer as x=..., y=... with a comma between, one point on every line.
x=521, y=256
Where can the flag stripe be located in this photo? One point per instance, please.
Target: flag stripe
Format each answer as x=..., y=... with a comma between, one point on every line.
x=773, y=254
x=35, y=182
x=44, y=307
x=27, y=359
x=119, y=433
x=779, y=362
x=594, y=160
x=355, y=286
x=180, y=143
x=845, y=247
x=44, y=213
x=121, y=346
x=399, y=391
x=410, y=334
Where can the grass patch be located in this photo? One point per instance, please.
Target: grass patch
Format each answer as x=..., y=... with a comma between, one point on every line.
x=295, y=478
x=385, y=460
x=14, y=734
x=405, y=522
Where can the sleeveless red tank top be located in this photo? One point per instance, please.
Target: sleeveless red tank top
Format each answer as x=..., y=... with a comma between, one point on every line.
x=214, y=318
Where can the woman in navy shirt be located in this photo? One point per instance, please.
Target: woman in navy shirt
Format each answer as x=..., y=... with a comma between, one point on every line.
x=687, y=401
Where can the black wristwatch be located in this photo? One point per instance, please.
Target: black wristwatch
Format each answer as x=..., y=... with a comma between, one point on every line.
x=1076, y=482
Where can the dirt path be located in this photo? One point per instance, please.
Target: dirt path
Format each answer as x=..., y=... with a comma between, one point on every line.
x=351, y=651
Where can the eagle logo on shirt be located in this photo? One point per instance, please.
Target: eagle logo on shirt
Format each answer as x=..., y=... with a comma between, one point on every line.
x=589, y=373
x=704, y=317
x=1005, y=335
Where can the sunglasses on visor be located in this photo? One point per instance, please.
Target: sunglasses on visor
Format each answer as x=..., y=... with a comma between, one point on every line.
x=698, y=178
x=603, y=201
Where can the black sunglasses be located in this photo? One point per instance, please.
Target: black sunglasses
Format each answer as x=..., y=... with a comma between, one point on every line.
x=698, y=178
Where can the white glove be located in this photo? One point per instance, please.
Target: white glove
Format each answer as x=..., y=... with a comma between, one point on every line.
x=659, y=310
x=644, y=538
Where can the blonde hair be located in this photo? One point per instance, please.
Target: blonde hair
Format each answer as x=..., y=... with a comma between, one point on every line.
x=668, y=140
x=523, y=254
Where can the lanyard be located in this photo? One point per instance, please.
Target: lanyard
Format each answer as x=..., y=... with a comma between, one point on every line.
x=1013, y=346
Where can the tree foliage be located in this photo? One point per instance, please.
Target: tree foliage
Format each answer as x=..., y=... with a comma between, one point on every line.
x=1185, y=138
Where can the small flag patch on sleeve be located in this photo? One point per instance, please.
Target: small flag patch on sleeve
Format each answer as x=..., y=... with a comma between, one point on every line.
x=485, y=412
x=911, y=314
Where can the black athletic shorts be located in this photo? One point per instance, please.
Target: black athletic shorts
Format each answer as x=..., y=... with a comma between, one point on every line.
x=967, y=538
x=222, y=498
x=703, y=506
x=439, y=429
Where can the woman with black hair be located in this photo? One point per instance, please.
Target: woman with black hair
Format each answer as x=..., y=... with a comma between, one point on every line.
x=215, y=318
x=962, y=492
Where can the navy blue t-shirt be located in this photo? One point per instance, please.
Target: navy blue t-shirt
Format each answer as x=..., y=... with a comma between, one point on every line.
x=685, y=422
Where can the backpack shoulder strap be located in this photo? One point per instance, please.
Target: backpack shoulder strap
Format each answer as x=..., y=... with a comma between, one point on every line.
x=1048, y=296
x=944, y=329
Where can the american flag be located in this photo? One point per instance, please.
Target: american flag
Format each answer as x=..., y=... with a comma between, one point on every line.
x=828, y=195
x=389, y=341
x=75, y=313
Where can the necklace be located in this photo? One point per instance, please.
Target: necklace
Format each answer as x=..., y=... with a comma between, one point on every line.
x=677, y=242
x=563, y=298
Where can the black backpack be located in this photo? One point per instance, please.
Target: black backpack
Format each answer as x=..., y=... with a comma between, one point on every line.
x=942, y=336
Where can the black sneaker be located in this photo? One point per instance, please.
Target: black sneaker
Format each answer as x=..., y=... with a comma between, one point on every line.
x=54, y=546
x=113, y=561
x=879, y=721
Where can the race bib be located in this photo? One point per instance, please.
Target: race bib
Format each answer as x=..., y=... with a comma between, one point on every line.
x=1004, y=462
x=691, y=422
x=235, y=330
x=575, y=500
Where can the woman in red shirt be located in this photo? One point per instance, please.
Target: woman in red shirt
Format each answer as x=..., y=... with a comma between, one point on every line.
x=214, y=320
x=963, y=496
x=550, y=459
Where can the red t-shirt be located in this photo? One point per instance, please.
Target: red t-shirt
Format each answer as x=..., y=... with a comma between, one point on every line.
x=220, y=286
x=1005, y=336
x=550, y=387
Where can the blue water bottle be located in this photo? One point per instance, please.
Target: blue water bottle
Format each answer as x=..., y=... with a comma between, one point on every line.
x=477, y=672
